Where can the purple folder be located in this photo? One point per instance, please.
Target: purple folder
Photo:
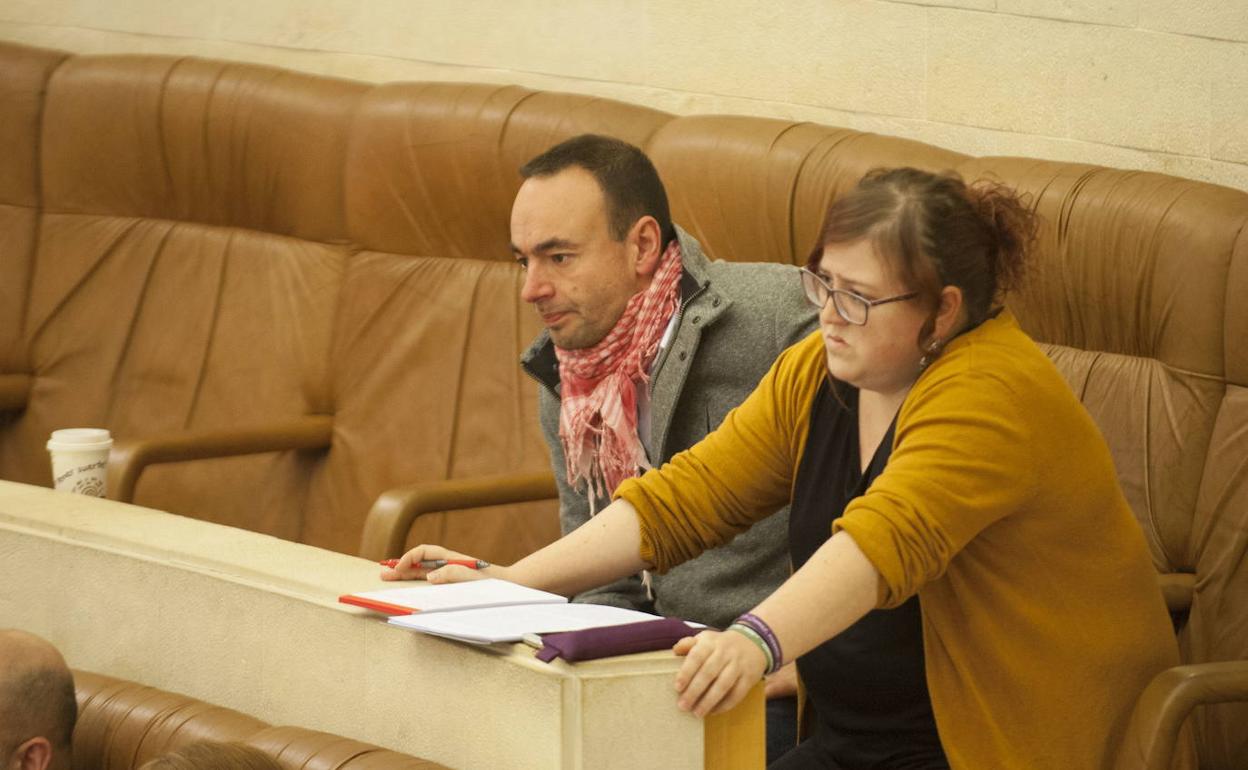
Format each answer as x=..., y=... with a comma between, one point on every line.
x=591, y=643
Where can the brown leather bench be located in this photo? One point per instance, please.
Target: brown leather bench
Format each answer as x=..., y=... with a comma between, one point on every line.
x=309, y=280
x=122, y=724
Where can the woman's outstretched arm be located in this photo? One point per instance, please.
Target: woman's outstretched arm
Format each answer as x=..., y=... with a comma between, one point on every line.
x=836, y=587
x=601, y=550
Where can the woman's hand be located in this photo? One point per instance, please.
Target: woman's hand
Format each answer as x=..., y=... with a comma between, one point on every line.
x=408, y=567
x=720, y=668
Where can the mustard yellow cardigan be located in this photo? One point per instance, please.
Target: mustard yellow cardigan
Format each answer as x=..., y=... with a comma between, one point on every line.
x=1000, y=507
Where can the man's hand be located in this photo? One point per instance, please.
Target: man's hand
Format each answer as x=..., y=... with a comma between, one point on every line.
x=408, y=567
x=783, y=683
x=720, y=668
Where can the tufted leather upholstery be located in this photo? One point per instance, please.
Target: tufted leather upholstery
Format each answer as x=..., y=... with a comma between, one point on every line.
x=122, y=724
x=248, y=245
x=193, y=244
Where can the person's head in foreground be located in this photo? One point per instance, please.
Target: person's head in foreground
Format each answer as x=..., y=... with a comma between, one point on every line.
x=590, y=226
x=214, y=755
x=37, y=706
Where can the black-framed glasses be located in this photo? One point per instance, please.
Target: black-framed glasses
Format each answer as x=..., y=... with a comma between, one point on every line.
x=850, y=306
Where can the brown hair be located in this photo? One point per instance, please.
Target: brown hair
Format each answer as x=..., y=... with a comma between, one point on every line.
x=934, y=230
x=214, y=755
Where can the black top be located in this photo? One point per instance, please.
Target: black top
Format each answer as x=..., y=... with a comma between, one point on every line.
x=867, y=684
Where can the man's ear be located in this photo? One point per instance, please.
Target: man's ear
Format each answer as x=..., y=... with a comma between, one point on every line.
x=647, y=239
x=34, y=754
x=949, y=315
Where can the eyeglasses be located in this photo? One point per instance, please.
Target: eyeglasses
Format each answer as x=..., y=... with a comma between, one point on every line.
x=850, y=306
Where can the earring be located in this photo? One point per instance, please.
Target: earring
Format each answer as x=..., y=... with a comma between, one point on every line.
x=930, y=351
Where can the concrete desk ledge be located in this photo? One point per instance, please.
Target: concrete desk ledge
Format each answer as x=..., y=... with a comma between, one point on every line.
x=253, y=623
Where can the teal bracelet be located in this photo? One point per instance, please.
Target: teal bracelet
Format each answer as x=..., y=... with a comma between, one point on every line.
x=754, y=637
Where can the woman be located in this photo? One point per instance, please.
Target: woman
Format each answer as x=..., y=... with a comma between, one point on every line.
x=970, y=587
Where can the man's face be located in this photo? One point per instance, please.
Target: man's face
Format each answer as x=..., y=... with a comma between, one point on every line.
x=577, y=277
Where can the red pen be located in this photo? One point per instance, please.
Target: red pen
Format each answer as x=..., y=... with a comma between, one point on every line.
x=435, y=563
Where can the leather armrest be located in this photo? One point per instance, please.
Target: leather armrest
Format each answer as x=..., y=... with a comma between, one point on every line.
x=1153, y=733
x=387, y=524
x=14, y=391
x=128, y=459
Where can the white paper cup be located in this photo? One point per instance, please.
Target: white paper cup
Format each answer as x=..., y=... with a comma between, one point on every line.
x=80, y=460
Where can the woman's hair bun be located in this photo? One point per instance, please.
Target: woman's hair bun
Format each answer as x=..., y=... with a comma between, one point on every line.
x=1016, y=227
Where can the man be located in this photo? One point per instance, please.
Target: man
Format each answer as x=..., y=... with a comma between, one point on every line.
x=37, y=706
x=648, y=345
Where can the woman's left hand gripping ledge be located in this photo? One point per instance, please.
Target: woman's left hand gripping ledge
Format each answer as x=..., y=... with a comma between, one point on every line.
x=720, y=668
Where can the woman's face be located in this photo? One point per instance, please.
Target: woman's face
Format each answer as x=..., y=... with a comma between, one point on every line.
x=882, y=355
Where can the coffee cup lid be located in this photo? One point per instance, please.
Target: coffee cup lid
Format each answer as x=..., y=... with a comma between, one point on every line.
x=69, y=439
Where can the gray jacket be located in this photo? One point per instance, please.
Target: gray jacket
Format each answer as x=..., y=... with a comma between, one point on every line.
x=733, y=321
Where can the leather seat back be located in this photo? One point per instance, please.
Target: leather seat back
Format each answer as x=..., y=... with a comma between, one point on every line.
x=123, y=724
x=189, y=258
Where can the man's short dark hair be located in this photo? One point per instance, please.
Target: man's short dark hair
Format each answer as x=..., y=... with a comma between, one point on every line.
x=630, y=184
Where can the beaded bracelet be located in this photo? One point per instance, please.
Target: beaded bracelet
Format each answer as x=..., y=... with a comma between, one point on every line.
x=760, y=627
x=753, y=636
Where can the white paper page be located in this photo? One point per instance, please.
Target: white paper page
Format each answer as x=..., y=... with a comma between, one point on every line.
x=509, y=624
x=490, y=592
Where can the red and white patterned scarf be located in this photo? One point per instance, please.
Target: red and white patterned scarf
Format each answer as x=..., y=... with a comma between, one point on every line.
x=598, y=416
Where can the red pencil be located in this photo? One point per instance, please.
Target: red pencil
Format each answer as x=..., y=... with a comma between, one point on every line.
x=435, y=563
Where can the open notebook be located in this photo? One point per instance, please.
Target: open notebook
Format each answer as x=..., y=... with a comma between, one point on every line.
x=426, y=597
x=486, y=611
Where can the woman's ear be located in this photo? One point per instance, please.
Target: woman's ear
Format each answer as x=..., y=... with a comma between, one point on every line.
x=647, y=239
x=950, y=314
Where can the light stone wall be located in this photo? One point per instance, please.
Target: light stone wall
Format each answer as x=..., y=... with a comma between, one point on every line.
x=1147, y=84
